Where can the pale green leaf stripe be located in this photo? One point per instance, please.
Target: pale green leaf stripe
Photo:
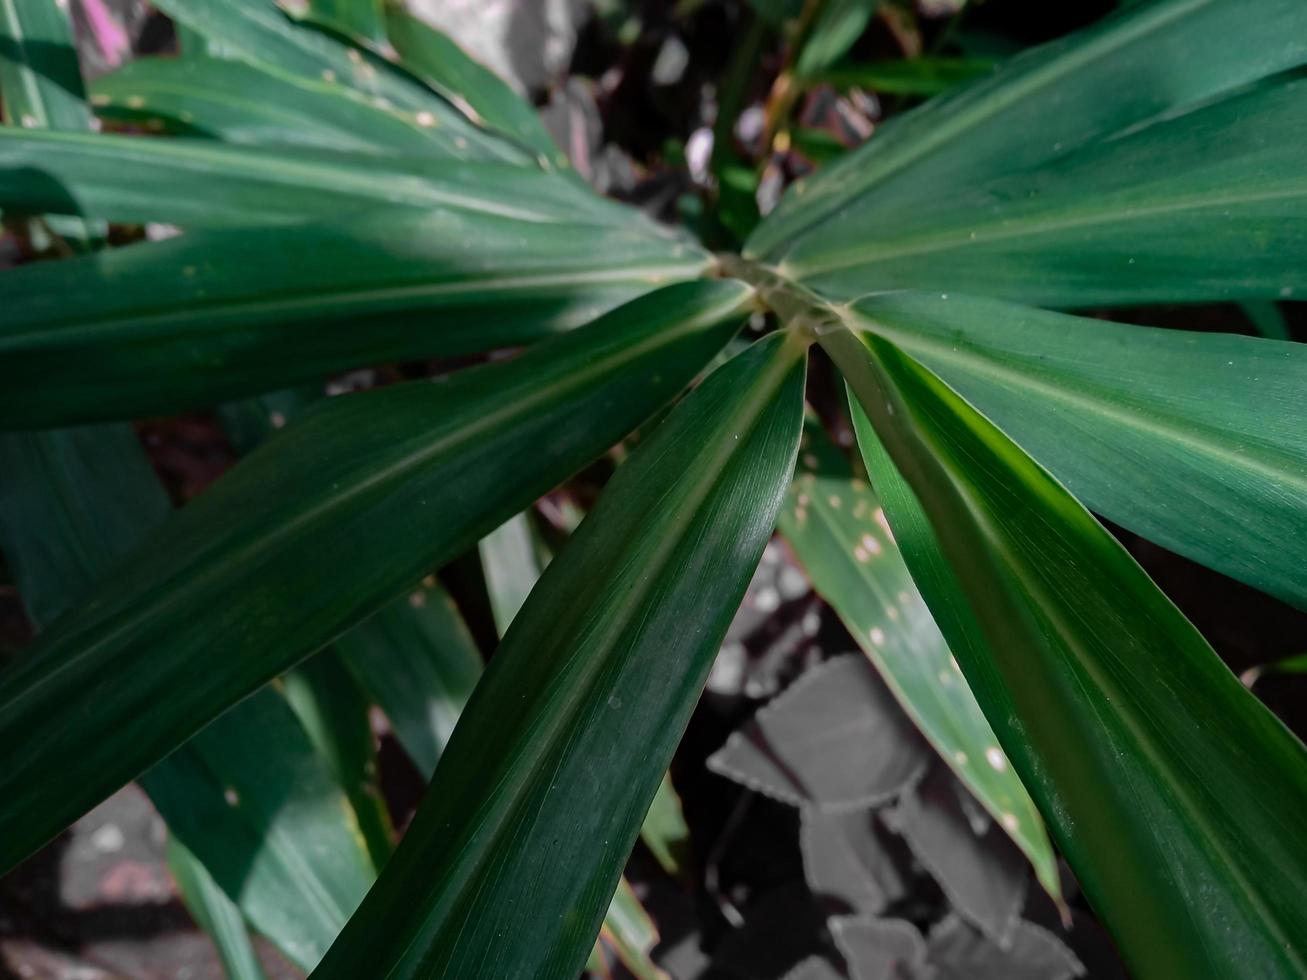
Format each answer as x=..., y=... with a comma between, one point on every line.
x=1100, y=691
x=213, y=912
x=1151, y=58
x=1197, y=441
x=601, y=668
x=205, y=184
x=1203, y=206
x=838, y=531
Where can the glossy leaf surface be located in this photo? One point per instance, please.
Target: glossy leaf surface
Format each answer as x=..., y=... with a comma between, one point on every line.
x=263, y=34
x=316, y=530
x=242, y=103
x=509, y=865
x=164, y=326
x=1199, y=207
x=201, y=183
x=249, y=796
x=442, y=64
x=838, y=531
x=1197, y=441
x=1102, y=694
x=1151, y=58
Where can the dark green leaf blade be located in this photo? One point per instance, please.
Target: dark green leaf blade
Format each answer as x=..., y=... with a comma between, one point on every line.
x=1209, y=205
x=418, y=662
x=442, y=64
x=1172, y=792
x=201, y=183
x=263, y=34
x=208, y=316
x=1151, y=58
x=362, y=18
x=1196, y=441
x=253, y=575
x=838, y=26
x=41, y=84
x=600, y=670
x=243, y=103
x=838, y=531
x=249, y=796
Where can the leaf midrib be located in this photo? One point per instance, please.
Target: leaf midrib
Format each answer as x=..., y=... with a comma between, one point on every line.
x=140, y=326
x=539, y=740
x=249, y=163
x=290, y=529
x=1067, y=64
x=1252, y=458
x=1028, y=226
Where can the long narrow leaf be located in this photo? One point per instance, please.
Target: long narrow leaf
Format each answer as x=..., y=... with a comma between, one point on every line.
x=443, y=65
x=1147, y=60
x=41, y=85
x=313, y=532
x=201, y=183
x=515, y=853
x=837, y=529
x=1173, y=793
x=209, y=316
x=261, y=33
x=249, y=796
x=215, y=913
x=1196, y=441
x=242, y=103
x=1208, y=205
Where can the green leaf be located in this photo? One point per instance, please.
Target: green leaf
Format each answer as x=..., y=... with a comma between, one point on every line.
x=446, y=68
x=248, y=795
x=417, y=661
x=204, y=184
x=240, y=103
x=362, y=18
x=41, y=84
x=253, y=798
x=1102, y=694
x=208, y=316
x=333, y=711
x=508, y=557
x=214, y=912
x=1267, y=319
x=72, y=502
x=598, y=674
x=313, y=532
x=664, y=830
x=837, y=28
x=259, y=32
x=1197, y=441
x=838, y=531
x=908, y=76
x=632, y=933
x=1207, y=205
x=1151, y=58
